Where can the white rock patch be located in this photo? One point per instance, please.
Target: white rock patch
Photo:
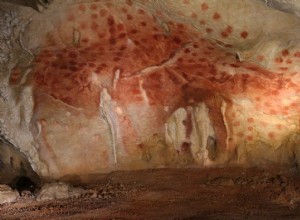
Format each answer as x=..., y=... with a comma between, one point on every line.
x=7, y=194
x=58, y=191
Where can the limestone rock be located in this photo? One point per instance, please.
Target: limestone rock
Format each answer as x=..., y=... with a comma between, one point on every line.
x=7, y=194
x=58, y=191
x=95, y=86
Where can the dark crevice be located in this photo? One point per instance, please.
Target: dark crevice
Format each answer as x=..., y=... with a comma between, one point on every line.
x=15, y=169
x=24, y=183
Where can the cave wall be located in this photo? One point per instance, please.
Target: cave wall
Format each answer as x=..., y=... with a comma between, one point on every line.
x=100, y=86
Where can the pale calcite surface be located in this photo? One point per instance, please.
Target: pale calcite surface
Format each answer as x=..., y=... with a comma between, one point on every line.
x=7, y=194
x=99, y=86
x=58, y=190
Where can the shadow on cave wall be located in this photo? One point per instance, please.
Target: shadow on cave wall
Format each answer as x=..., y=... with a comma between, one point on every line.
x=15, y=169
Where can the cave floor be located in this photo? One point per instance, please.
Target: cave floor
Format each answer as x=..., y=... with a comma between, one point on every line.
x=230, y=193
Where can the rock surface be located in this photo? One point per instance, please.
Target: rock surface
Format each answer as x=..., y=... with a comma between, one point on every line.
x=14, y=165
x=60, y=190
x=99, y=86
x=7, y=194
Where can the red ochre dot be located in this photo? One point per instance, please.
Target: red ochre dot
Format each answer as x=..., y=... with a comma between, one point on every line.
x=103, y=12
x=244, y=34
x=273, y=112
x=229, y=29
x=236, y=124
x=216, y=16
x=83, y=26
x=122, y=35
x=202, y=22
x=71, y=17
x=297, y=54
x=257, y=98
x=124, y=10
x=250, y=128
x=250, y=138
x=250, y=120
x=194, y=15
x=141, y=11
x=187, y=50
x=123, y=47
x=134, y=31
x=94, y=16
x=120, y=27
x=285, y=52
x=81, y=7
x=240, y=134
x=279, y=126
x=209, y=30
x=278, y=60
x=110, y=21
x=271, y=135
x=204, y=7
x=94, y=26
x=85, y=40
x=94, y=7
x=143, y=23
x=129, y=2
x=112, y=41
x=72, y=55
x=224, y=34
x=260, y=58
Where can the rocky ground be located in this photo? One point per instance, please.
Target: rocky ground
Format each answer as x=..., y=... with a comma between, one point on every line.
x=230, y=193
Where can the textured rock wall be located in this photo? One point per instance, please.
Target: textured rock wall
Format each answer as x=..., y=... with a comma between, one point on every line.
x=105, y=85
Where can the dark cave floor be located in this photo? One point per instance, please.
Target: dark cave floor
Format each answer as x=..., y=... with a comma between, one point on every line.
x=223, y=193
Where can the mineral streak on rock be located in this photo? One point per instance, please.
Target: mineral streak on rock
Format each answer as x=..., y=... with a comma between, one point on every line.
x=140, y=84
